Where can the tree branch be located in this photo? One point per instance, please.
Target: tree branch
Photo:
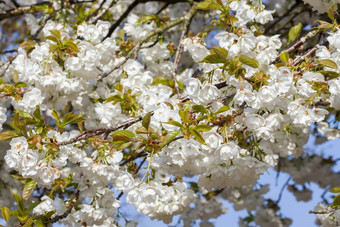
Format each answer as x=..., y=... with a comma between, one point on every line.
x=171, y=24
x=121, y=18
x=67, y=212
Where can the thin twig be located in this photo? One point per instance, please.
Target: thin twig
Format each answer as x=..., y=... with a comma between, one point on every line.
x=96, y=11
x=297, y=44
x=137, y=170
x=121, y=18
x=151, y=34
x=282, y=189
x=287, y=13
x=67, y=212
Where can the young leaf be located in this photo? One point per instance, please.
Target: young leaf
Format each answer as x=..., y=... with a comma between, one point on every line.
x=6, y=213
x=71, y=45
x=284, y=57
x=175, y=123
x=125, y=133
x=20, y=84
x=71, y=118
x=221, y=52
x=146, y=120
x=55, y=114
x=329, y=63
x=331, y=12
x=336, y=201
x=200, y=109
x=28, y=189
x=52, y=38
x=7, y=135
x=169, y=137
x=197, y=136
x=335, y=190
x=222, y=109
x=23, y=114
x=203, y=128
x=294, y=32
x=249, y=61
x=141, y=130
x=19, y=201
x=37, y=113
x=38, y=223
x=56, y=33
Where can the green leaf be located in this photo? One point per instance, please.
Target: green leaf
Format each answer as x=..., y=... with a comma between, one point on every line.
x=33, y=205
x=200, y=109
x=6, y=213
x=52, y=38
x=197, y=136
x=15, y=76
x=335, y=190
x=28, y=189
x=222, y=109
x=203, y=128
x=49, y=214
x=161, y=80
x=206, y=5
x=125, y=133
x=328, y=63
x=180, y=85
x=56, y=33
x=331, y=12
x=141, y=130
x=71, y=45
x=146, y=120
x=2, y=80
x=184, y=115
x=284, y=57
x=168, y=138
x=217, y=55
x=329, y=74
x=324, y=25
x=55, y=114
x=121, y=34
x=220, y=51
x=19, y=201
x=124, y=145
x=294, y=32
x=7, y=135
x=336, y=201
x=175, y=123
x=71, y=118
x=38, y=223
x=23, y=114
x=20, y=84
x=249, y=61
x=37, y=113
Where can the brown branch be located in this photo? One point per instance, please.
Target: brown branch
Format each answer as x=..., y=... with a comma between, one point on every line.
x=300, y=42
x=21, y=10
x=67, y=212
x=96, y=11
x=138, y=45
x=121, y=18
x=101, y=14
x=287, y=13
x=15, y=3
x=137, y=170
x=180, y=50
x=301, y=58
x=44, y=23
x=324, y=211
x=100, y=131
